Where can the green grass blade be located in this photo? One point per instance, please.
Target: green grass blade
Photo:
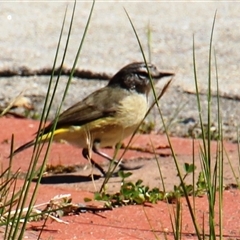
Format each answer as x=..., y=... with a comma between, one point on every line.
x=212, y=189
x=219, y=155
x=36, y=153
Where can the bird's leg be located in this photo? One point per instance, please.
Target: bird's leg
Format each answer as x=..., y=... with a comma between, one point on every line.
x=85, y=154
x=104, y=155
x=96, y=150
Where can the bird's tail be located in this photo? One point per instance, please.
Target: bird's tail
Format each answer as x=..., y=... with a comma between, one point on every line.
x=23, y=147
x=40, y=139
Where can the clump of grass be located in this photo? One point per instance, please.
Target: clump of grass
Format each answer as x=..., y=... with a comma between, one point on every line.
x=15, y=221
x=212, y=168
x=210, y=179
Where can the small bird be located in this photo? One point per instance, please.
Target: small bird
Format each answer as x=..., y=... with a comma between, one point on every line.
x=106, y=116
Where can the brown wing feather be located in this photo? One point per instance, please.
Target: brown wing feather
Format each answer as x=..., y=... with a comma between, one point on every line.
x=99, y=104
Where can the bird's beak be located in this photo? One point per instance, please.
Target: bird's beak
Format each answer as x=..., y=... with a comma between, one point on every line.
x=162, y=74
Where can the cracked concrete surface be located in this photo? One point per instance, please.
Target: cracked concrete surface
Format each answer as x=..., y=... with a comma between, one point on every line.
x=30, y=31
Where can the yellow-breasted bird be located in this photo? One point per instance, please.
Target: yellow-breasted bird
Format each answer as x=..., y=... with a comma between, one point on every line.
x=106, y=116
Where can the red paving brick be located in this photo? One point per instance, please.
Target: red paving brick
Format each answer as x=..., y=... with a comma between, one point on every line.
x=130, y=222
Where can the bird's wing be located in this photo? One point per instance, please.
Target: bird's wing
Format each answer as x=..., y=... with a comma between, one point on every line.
x=97, y=105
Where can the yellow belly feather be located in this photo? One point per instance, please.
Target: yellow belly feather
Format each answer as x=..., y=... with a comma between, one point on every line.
x=109, y=131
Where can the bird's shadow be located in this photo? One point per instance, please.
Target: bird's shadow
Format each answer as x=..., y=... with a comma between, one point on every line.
x=60, y=179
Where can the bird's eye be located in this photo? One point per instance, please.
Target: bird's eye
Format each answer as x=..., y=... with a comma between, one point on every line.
x=141, y=76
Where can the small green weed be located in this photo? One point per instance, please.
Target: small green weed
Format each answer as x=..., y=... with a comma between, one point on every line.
x=137, y=193
x=130, y=193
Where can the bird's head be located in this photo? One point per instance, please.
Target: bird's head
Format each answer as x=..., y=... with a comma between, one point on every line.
x=136, y=77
